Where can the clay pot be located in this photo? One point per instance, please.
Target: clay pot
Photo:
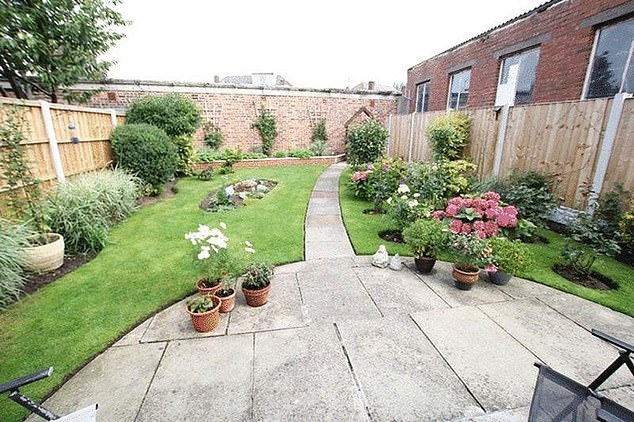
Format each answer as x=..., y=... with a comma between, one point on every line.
x=206, y=321
x=465, y=277
x=206, y=291
x=227, y=303
x=258, y=297
x=425, y=264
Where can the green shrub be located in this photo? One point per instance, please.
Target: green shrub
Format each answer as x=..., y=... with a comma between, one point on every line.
x=185, y=151
x=365, y=142
x=301, y=153
x=13, y=237
x=610, y=210
x=426, y=237
x=206, y=174
x=175, y=114
x=511, y=257
x=146, y=151
x=212, y=135
x=84, y=208
x=448, y=135
x=627, y=232
x=257, y=276
x=280, y=154
x=384, y=179
x=319, y=139
x=436, y=182
x=267, y=127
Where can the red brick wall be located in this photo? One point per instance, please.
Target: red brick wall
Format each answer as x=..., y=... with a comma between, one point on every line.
x=235, y=109
x=562, y=66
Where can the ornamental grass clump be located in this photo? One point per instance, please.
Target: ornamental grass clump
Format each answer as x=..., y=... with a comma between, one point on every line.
x=13, y=238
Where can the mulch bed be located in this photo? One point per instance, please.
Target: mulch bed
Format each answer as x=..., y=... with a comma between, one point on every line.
x=36, y=281
x=392, y=236
x=595, y=281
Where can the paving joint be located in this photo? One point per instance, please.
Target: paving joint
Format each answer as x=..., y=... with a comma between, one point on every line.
x=149, y=385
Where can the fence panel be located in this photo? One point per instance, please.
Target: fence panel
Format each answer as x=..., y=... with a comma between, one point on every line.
x=482, y=139
x=621, y=164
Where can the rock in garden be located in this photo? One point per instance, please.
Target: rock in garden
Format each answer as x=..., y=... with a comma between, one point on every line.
x=243, y=195
x=229, y=191
x=396, y=263
x=261, y=188
x=380, y=258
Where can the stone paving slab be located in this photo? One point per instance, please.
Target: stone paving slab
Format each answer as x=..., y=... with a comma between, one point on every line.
x=323, y=207
x=202, y=380
x=442, y=284
x=116, y=380
x=327, y=194
x=519, y=288
x=623, y=396
x=334, y=294
x=322, y=250
x=512, y=415
x=134, y=336
x=303, y=374
x=398, y=292
x=556, y=340
x=326, y=234
x=497, y=369
x=174, y=323
x=324, y=220
x=401, y=374
x=592, y=315
x=315, y=265
x=283, y=309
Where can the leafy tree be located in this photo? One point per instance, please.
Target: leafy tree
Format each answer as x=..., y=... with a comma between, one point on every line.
x=47, y=46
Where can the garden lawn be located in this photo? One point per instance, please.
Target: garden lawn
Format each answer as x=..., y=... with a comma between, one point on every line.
x=363, y=231
x=147, y=266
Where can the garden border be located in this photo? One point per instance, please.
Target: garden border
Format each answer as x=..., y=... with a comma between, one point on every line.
x=271, y=162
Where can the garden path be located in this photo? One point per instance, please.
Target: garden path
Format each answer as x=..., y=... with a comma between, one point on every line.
x=343, y=340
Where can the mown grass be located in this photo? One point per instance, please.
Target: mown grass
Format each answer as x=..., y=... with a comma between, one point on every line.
x=363, y=231
x=147, y=265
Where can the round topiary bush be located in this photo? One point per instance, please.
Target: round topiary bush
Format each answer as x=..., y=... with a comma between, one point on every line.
x=146, y=151
x=365, y=142
x=175, y=114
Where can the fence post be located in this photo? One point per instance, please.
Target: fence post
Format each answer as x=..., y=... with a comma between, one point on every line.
x=52, y=141
x=389, y=135
x=411, y=138
x=499, y=144
x=113, y=117
x=611, y=130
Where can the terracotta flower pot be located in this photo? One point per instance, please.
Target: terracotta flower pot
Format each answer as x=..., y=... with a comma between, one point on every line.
x=425, y=264
x=499, y=278
x=227, y=303
x=46, y=257
x=465, y=277
x=206, y=321
x=206, y=291
x=258, y=297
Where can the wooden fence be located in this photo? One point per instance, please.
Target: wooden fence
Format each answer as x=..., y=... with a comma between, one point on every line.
x=572, y=140
x=63, y=140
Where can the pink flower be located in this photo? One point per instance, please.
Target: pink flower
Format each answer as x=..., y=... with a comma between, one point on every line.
x=360, y=176
x=504, y=220
x=491, y=268
x=481, y=234
x=452, y=210
x=466, y=228
x=491, y=228
x=438, y=215
x=456, y=226
x=467, y=203
x=491, y=212
x=492, y=196
x=511, y=210
x=478, y=225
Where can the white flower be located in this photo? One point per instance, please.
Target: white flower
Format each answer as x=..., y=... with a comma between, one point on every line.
x=250, y=250
x=223, y=226
x=204, y=254
x=416, y=195
x=249, y=244
x=404, y=197
x=412, y=203
x=403, y=188
x=389, y=200
x=217, y=242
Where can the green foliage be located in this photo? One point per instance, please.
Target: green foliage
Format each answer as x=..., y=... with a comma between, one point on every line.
x=212, y=135
x=13, y=237
x=146, y=151
x=436, y=182
x=319, y=138
x=206, y=173
x=301, y=153
x=280, y=154
x=206, y=156
x=448, y=135
x=229, y=158
x=511, y=257
x=257, y=276
x=384, y=179
x=24, y=194
x=174, y=113
x=267, y=127
x=365, y=142
x=403, y=207
x=185, y=151
x=85, y=208
x=626, y=227
x=49, y=46
x=426, y=237
x=610, y=210
x=201, y=304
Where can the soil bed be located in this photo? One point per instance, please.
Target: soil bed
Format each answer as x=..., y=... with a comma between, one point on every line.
x=595, y=281
x=36, y=281
x=392, y=236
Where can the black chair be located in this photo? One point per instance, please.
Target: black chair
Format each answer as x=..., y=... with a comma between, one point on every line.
x=87, y=414
x=559, y=398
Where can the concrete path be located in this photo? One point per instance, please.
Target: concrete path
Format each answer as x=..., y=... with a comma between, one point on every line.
x=342, y=340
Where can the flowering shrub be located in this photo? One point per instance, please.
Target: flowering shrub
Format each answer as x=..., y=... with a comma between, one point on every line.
x=439, y=181
x=471, y=252
x=483, y=216
x=403, y=208
x=360, y=185
x=385, y=179
x=212, y=253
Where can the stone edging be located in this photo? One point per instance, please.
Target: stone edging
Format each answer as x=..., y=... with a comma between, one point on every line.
x=269, y=162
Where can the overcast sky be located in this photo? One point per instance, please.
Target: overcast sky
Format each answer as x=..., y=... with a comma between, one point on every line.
x=319, y=44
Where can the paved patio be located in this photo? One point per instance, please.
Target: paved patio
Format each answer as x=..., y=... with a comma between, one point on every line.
x=342, y=340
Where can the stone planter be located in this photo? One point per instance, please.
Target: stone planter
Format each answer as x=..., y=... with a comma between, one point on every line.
x=465, y=277
x=44, y=258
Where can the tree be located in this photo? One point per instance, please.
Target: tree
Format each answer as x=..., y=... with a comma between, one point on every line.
x=47, y=46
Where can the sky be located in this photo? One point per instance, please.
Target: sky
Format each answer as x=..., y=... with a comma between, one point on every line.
x=317, y=44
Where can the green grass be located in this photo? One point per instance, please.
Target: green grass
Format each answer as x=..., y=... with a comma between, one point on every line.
x=147, y=265
x=363, y=232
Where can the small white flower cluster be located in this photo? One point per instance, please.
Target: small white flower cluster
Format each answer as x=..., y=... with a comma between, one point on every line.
x=212, y=239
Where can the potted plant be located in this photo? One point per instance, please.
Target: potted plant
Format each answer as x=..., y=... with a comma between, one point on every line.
x=257, y=283
x=46, y=250
x=226, y=294
x=426, y=238
x=508, y=258
x=204, y=312
x=470, y=253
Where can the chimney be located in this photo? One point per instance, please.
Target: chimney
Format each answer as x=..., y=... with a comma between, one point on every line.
x=216, y=79
x=370, y=85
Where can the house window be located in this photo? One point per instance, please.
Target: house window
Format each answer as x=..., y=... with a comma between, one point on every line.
x=422, y=97
x=612, y=68
x=517, y=78
x=459, y=89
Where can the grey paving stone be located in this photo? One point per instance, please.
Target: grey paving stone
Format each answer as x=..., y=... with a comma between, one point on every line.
x=135, y=335
x=324, y=250
x=556, y=340
x=401, y=374
x=519, y=288
x=334, y=294
x=174, y=323
x=592, y=315
x=303, y=374
x=623, y=396
x=283, y=309
x=496, y=368
x=398, y=292
x=326, y=234
x=323, y=207
x=314, y=265
x=329, y=194
x=316, y=220
x=202, y=380
x=512, y=415
x=327, y=184
x=116, y=380
x=441, y=282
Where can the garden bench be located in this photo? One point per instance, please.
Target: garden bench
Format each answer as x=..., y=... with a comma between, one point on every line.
x=87, y=414
x=559, y=398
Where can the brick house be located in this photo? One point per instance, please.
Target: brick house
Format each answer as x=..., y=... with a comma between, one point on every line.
x=561, y=50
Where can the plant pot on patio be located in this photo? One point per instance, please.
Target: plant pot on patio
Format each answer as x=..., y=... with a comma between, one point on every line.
x=425, y=264
x=465, y=276
x=227, y=299
x=256, y=284
x=207, y=287
x=204, y=312
x=499, y=278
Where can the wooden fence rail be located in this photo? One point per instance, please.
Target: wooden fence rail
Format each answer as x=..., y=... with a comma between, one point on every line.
x=571, y=140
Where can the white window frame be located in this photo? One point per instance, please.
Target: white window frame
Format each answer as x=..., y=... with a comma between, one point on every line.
x=451, y=76
x=426, y=85
x=513, y=78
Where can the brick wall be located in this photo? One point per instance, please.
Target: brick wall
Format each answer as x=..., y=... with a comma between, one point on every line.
x=234, y=109
x=565, y=50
